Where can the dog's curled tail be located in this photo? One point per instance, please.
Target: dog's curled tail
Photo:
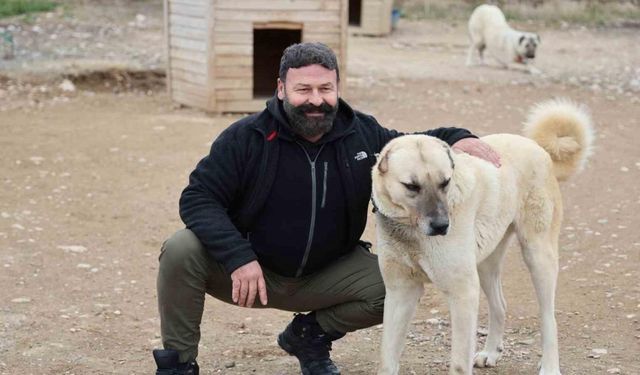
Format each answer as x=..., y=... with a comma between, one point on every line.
x=564, y=129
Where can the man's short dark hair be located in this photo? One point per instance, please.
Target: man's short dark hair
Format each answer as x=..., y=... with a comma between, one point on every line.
x=305, y=54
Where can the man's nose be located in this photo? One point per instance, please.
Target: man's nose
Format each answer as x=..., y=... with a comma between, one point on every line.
x=316, y=98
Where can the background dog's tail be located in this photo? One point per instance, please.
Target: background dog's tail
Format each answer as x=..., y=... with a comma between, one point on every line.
x=564, y=129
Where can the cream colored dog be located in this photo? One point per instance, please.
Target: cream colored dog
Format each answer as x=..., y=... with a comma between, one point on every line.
x=488, y=30
x=446, y=218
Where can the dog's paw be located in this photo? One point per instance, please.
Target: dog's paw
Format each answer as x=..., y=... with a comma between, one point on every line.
x=487, y=359
x=534, y=71
x=541, y=371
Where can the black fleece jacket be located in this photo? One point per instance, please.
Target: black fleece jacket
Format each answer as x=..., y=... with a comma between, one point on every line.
x=229, y=187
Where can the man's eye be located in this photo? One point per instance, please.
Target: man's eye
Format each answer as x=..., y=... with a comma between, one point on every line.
x=412, y=187
x=445, y=183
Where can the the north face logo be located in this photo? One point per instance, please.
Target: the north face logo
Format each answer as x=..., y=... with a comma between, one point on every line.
x=361, y=155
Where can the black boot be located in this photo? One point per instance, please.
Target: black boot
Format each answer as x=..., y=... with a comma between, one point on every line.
x=167, y=362
x=305, y=339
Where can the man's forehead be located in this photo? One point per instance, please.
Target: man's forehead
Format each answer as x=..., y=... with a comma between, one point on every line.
x=312, y=74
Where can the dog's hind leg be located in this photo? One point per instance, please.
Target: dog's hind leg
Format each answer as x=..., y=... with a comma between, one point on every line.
x=489, y=272
x=539, y=244
x=402, y=296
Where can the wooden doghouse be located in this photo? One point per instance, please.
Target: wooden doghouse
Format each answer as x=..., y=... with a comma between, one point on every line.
x=370, y=17
x=224, y=55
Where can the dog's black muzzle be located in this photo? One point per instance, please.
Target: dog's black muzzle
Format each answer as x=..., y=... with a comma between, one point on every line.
x=439, y=228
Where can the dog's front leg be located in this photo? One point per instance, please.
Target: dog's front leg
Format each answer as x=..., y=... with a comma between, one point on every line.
x=463, y=297
x=402, y=296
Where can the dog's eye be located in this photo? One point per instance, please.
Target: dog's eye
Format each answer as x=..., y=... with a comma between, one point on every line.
x=445, y=183
x=412, y=187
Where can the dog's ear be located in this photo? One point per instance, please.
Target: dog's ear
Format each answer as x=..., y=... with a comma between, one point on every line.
x=521, y=39
x=538, y=38
x=383, y=164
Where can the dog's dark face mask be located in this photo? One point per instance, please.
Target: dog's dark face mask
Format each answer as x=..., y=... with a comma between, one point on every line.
x=528, y=45
x=309, y=127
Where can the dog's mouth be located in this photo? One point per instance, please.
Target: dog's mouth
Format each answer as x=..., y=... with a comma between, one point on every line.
x=530, y=55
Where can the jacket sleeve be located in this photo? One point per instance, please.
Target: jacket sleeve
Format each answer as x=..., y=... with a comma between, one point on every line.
x=450, y=135
x=204, y=203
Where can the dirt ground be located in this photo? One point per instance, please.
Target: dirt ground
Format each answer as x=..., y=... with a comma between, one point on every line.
x=91, y=180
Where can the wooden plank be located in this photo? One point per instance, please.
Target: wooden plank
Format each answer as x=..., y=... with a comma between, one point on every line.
x=228, y=59
x=190, y=44
x=235, y=26
x=211, y=54
x=316, y=26
x=189, y=55
x=188, y=10
x=234, y=83
x=278, y=5
x=326, y=38
x=226, y=95
x=274, y=15
x=184, y=21
x=190, y=87
x=190, y=77
x=188, y=32
x=234, y=49
x=190, y=100
x=283, y=25
x=230, y=71
x=241, y=106
x=233, y=37
x=189, y=2
x=167, y=47
x=189, y=66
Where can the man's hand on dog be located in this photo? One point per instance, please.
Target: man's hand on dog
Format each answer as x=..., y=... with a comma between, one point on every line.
x=247, y=282
x=476, y=147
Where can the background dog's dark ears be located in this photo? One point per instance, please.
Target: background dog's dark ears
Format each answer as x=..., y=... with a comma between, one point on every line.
x=538, y=38
x=521, y=39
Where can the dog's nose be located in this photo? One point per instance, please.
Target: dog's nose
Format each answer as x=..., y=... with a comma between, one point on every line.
x=439, y=228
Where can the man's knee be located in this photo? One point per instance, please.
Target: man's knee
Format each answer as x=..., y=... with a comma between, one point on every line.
x=376, y=303
x=180, y=250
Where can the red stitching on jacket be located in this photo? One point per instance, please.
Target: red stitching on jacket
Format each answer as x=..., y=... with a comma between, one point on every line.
x=272, y=135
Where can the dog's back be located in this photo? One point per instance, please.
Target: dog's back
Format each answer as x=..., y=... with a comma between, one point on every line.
x=485, y=20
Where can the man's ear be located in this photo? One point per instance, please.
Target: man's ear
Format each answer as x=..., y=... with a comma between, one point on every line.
x=280, y=89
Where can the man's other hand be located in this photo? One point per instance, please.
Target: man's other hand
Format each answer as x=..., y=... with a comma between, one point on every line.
x=247, y=282
x=476, y=147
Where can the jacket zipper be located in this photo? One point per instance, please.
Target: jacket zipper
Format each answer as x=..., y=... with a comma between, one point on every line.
x=324, y=184
x=312, y=225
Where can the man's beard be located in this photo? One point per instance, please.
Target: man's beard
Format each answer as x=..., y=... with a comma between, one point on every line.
x=310, y=127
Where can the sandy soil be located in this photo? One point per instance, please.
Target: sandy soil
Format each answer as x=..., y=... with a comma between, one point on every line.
x=91, y=179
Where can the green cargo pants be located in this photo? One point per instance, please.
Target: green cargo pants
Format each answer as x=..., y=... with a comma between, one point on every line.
x=346, y=295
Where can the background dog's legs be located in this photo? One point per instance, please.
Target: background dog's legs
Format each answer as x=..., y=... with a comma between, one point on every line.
x=402, y=296
x=541, y=256
x=475, y=54
x=490, y=271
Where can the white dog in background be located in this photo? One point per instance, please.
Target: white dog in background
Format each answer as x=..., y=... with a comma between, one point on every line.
x=447, y=218
x=489, y=31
